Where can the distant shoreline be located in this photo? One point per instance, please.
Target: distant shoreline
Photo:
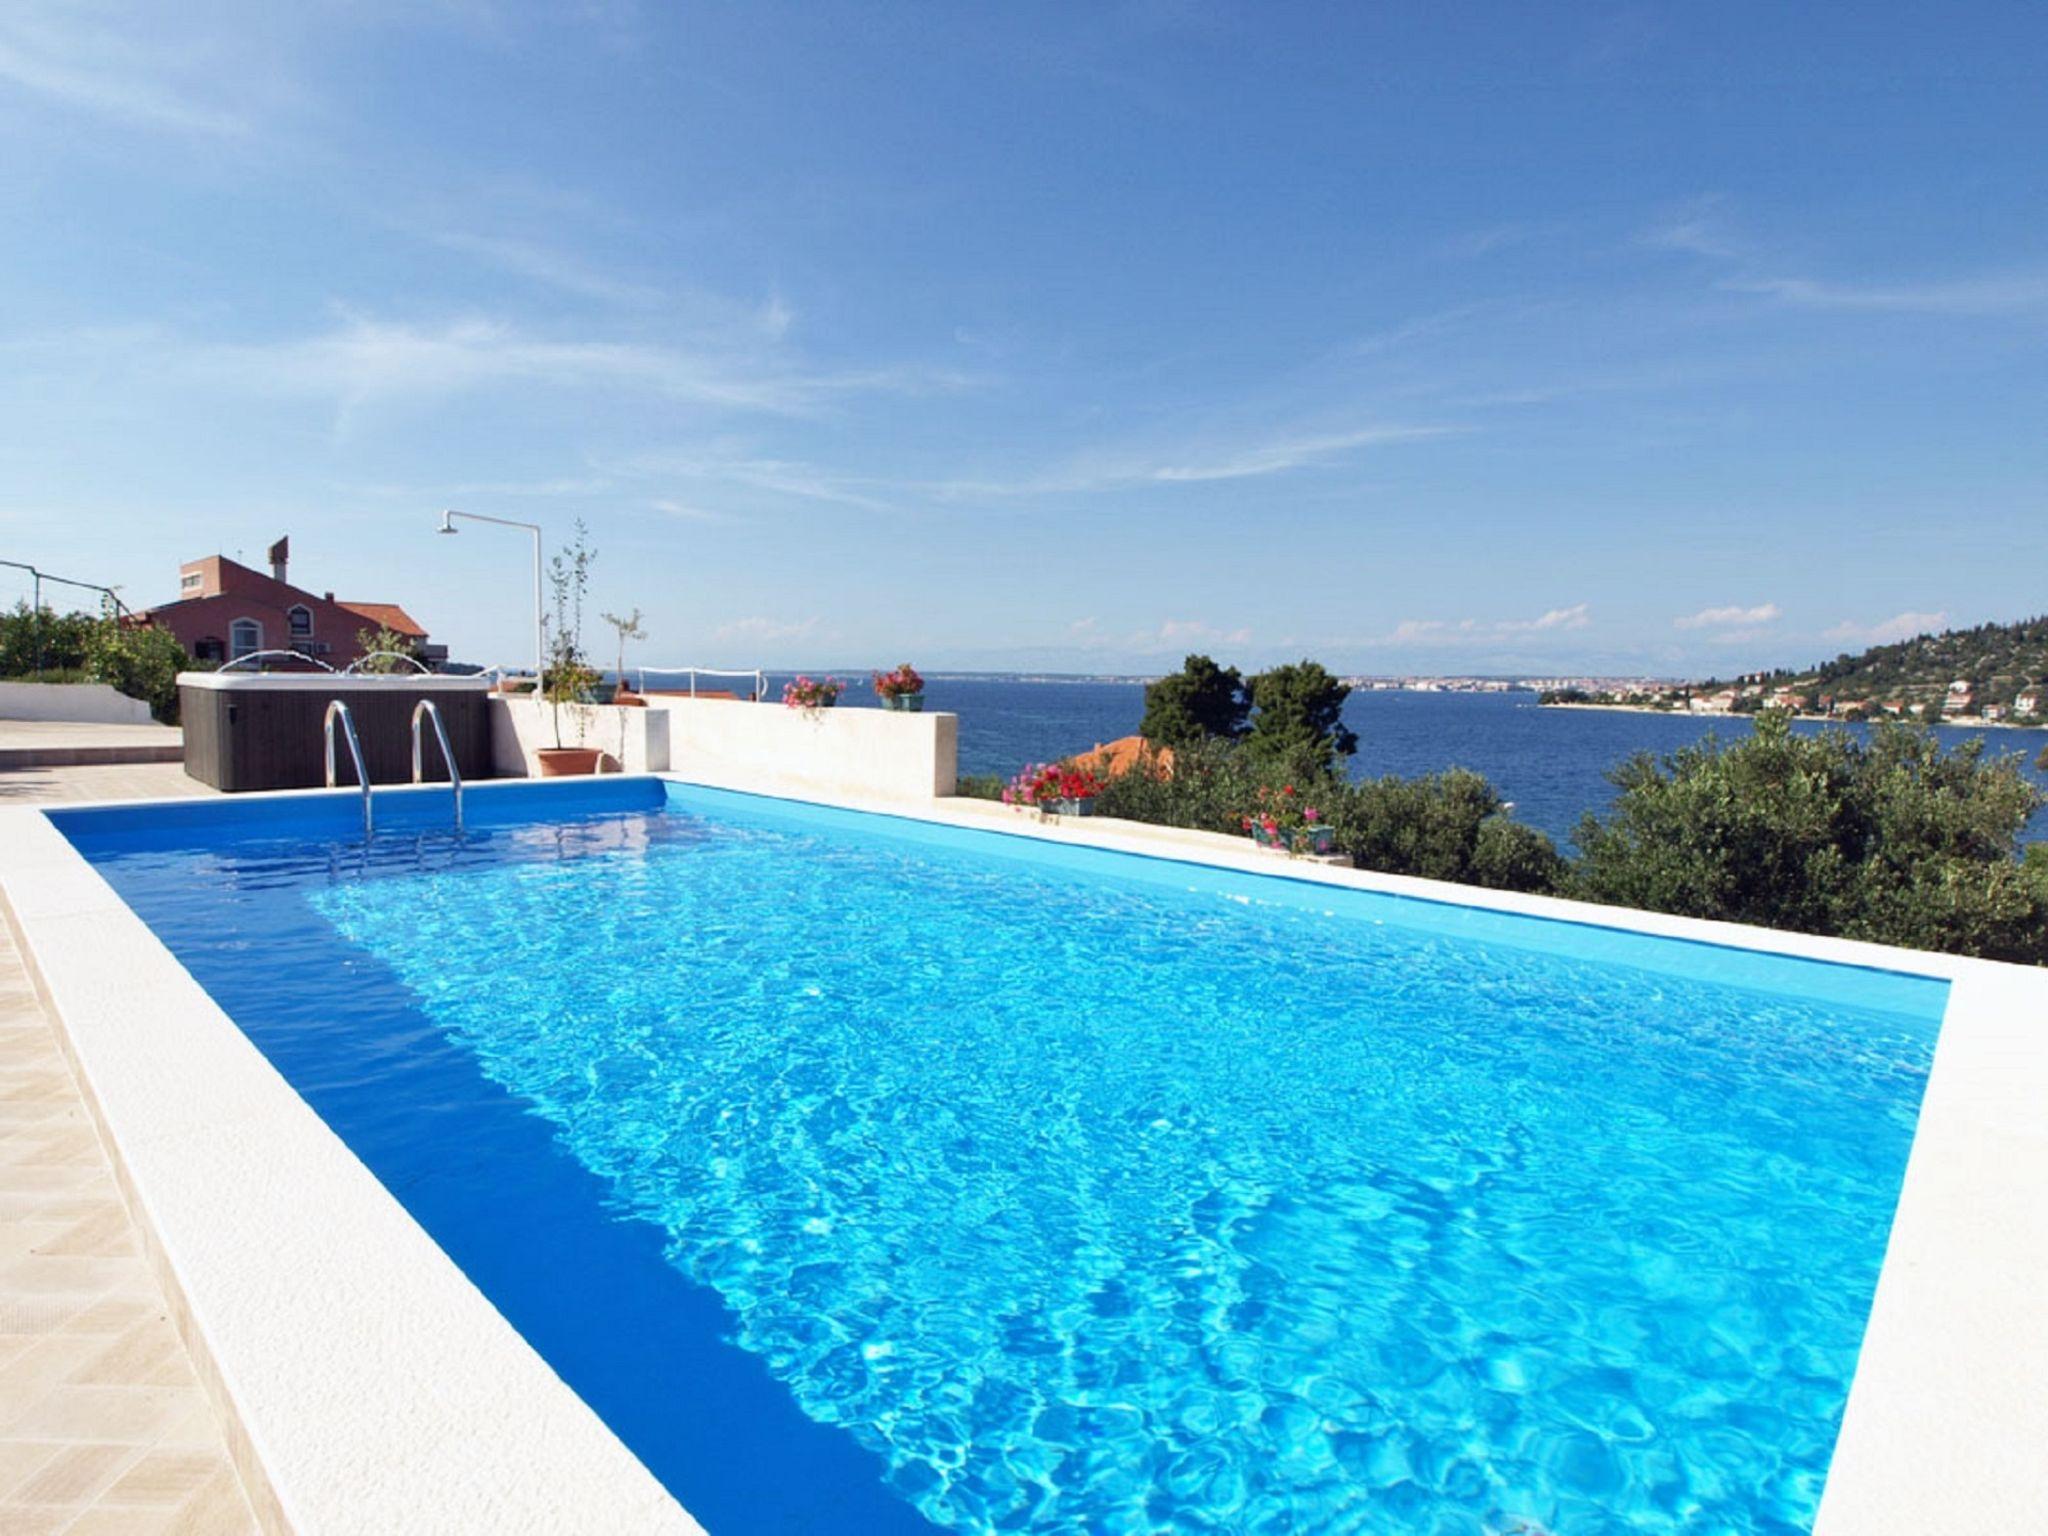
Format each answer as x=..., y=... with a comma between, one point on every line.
x=1969, y=723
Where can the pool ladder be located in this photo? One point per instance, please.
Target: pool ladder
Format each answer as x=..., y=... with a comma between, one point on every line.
x=337, y=709
x=425, y=709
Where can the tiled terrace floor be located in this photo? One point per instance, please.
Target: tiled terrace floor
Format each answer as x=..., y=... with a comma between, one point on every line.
x=104, y=1427
x=98, y=781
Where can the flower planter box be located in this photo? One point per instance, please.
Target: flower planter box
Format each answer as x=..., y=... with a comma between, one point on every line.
x=1303, y=842
x=1080, y=807
x=909, y=703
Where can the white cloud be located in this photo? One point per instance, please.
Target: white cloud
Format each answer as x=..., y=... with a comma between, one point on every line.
x=1088, y=474
x=364, y=360
x=1733, y=616
x=455, y=491
x=1122, y=469
x=86, y=58
x=1699, y=227
x=1984, y=295
x=781, y=477
x=1283, y=454
x=1900, y=626
x=1171, y=636
x=1194, y=631
x=1453, y=632
x=1574, y=617
x=556, y=269
x=1702, y=228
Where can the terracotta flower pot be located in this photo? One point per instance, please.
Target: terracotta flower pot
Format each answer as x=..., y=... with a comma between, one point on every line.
x=562, y=762
x=628, y=698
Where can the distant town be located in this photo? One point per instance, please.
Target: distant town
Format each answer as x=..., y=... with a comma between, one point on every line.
x=1960, y=700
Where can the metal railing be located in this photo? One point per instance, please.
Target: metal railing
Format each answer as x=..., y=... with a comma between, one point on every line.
x=37, y=577
x=759, y=678
x=425, y=709
x=337, y=709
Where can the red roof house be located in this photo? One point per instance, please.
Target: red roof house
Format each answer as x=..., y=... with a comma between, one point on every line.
x=224, y=610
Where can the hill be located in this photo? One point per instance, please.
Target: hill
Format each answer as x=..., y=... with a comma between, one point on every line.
x=1991, y=672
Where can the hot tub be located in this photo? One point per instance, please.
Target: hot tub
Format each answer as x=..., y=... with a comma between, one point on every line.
x=264, y=730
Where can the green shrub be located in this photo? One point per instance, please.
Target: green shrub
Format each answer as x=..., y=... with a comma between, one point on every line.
x=1447, y=826
x=1210, y=787
x=979, y=786
x=59, y=639
x=1442, y=826
x=141, y=662
x=1892, y=840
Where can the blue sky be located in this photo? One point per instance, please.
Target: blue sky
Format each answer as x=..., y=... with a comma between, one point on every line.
x=1543, y=338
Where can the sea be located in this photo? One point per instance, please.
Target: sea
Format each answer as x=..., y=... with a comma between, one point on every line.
x=1552, y=764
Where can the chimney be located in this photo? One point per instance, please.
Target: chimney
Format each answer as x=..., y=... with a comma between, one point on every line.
x=280, y=557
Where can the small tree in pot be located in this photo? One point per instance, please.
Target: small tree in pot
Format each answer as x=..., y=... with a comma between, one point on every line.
x=629, y=629
x=569, y=679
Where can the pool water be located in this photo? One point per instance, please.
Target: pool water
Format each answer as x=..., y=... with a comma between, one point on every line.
x=868, y=1175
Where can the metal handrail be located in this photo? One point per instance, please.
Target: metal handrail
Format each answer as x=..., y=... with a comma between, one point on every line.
x=354, y=668
x=760, y=678
x=355, y=752
x=427, y=708
x=229, y=666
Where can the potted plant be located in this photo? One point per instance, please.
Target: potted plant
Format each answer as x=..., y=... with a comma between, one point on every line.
x=1054, y=789
x=1282, y=822
x=811, y=694
x=568, y=680
x=629, y=629
x=901, y=689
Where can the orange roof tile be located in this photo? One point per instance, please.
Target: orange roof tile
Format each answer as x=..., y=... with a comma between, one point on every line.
x=1114, y=758
x=390, y=616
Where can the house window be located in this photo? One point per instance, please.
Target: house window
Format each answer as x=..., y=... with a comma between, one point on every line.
x=190, y=581
x=209, y=649
x=244, y=636
x=301, y=620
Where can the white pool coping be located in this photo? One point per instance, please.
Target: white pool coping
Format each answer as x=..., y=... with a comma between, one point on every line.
x=365, y=1383
x=371, y=1387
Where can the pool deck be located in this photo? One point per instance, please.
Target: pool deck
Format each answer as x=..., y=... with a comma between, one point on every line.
x=358, y=1379
x=1943, y=1427
x=104, y=1426
x=72, y=743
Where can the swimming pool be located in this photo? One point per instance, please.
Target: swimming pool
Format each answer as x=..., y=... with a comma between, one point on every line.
x=976, y=1182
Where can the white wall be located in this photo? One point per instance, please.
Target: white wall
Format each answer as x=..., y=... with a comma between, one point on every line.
x=91, y=703
x=633, y=740
x=864, y=753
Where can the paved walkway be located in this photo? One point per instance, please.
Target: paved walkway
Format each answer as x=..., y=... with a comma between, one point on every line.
x=104, y=1427
x=44, y=743
x=113, y=781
